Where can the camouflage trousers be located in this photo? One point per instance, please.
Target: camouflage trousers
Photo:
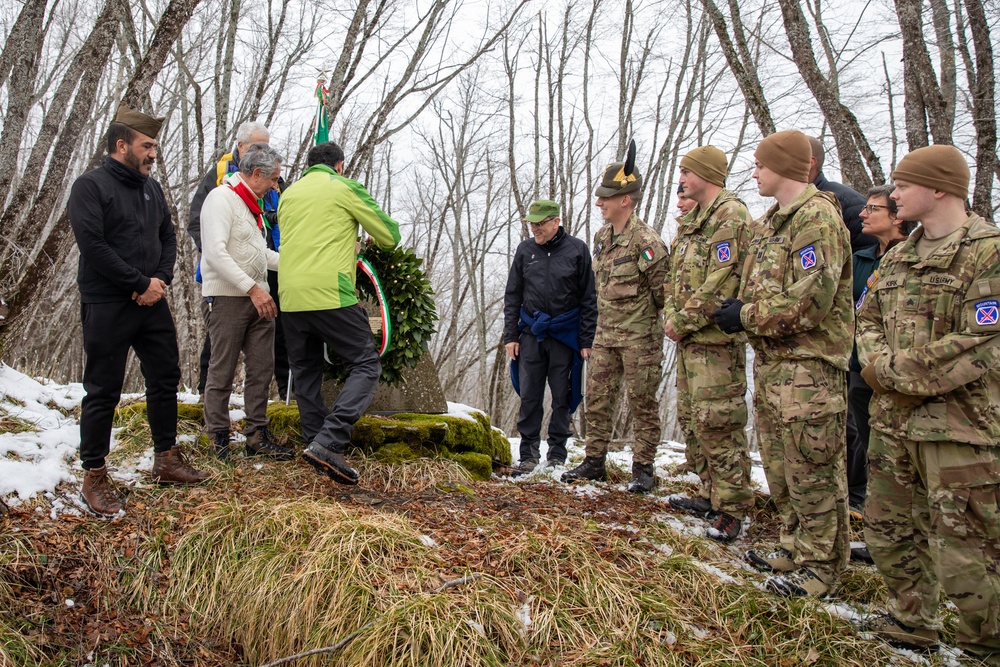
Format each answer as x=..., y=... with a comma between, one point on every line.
x=712, y=413
x=932, y=521
x=802, y=429
x=639, y=366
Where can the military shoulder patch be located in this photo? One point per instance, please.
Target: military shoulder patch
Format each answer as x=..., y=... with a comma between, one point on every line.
x=647, y=254
x=723, y=252
x=987, y=312
x=807, y=257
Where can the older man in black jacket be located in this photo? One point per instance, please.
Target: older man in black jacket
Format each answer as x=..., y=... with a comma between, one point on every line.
x=127, y=250
x=550, y=317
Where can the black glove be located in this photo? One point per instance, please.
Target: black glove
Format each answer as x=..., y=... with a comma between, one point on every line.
x=728, y=316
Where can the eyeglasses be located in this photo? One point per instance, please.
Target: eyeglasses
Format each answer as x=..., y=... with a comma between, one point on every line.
x=541, y=222
x=871, y=208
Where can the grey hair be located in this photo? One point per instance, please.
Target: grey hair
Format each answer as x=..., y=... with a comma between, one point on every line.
x=248, y=129
x=260, y=156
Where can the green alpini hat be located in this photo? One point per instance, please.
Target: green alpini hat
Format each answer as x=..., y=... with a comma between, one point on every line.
x=541, y=209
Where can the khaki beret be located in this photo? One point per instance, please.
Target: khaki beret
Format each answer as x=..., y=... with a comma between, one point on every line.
x=139, y=121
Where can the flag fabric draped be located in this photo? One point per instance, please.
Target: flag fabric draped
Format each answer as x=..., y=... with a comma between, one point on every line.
x=322, y=123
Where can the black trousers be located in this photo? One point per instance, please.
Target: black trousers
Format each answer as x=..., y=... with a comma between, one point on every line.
x=549, y=361
x=859, y=396
x=346, y=333
x=109, y=330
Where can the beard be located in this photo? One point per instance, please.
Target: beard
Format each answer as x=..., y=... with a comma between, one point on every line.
x=133, y=162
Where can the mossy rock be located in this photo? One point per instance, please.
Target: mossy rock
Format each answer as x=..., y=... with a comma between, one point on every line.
x=185, y=412
x=284, y=419
x=406, y=436
x=480, y=465
x=191, y=412
x=396, y=452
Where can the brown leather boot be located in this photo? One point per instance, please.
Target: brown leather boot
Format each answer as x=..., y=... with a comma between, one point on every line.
x=98, y=495
x=171, y=467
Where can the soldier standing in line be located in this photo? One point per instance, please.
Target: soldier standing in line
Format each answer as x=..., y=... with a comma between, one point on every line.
x=703, y=269
x=630, y=267
x=795, y=304
x=927, y=342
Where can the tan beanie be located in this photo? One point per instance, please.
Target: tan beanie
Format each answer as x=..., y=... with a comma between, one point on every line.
x=787, y=154
x=708, y=162
x=940, y=167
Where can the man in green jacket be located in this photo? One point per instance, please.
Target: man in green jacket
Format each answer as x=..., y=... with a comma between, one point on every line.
x=319, y=216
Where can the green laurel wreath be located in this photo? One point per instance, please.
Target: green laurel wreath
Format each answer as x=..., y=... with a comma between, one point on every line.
x=410, y=302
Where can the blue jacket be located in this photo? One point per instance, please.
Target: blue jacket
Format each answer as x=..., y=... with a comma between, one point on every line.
x=564, y=328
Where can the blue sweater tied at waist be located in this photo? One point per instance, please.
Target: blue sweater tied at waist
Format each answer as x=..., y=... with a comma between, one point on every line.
x=563, y=328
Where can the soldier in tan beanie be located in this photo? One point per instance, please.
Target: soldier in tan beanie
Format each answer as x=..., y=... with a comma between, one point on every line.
x=927, y=343
x=703, y=269
x=795, y=303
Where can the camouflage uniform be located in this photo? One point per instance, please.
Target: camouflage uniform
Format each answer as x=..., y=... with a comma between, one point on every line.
x=800, y=320
x=630, y=271
x=930, y=328
x=702, y=270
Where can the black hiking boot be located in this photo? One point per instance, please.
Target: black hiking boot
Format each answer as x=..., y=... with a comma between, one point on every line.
x=592, y=468
x=895, y=633
x=800, y=583
x=525, y=467
x=261, y=443
x=330, y=463
x=220, y=445
x=643, y=478
x=699, y=507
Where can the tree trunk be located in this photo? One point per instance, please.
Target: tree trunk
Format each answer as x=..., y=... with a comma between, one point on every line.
x=983, y=110
x=925, y=104
x=20, y=56
x=743, y=68
x=847, y=133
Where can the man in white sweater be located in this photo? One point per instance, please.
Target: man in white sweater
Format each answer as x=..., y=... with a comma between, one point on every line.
x=237, y=305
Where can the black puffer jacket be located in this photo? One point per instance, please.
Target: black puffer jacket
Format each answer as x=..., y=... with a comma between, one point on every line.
x=851, y=203
x=123, y=228
x=554, y=278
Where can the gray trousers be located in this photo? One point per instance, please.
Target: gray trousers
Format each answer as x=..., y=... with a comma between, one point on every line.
x=235, y=326
x=347, y=335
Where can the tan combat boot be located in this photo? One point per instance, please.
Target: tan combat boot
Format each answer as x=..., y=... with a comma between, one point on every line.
x=171, y=467
x=98, y=495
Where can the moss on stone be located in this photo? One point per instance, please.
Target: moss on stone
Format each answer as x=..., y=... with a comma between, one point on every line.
x=284, y=420
x=473, y=443
x=189, y=412
x=395, y=452
x=480, y=465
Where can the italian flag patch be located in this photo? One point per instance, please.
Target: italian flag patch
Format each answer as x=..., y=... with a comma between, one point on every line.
x=647, y=254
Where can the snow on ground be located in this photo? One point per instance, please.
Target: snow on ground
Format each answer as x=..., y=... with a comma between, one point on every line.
x=669, y=454
x=35, y=462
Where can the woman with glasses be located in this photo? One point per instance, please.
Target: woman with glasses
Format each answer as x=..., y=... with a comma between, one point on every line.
x=879, y=220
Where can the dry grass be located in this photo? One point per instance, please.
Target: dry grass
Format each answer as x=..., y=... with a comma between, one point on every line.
x=258, y=564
